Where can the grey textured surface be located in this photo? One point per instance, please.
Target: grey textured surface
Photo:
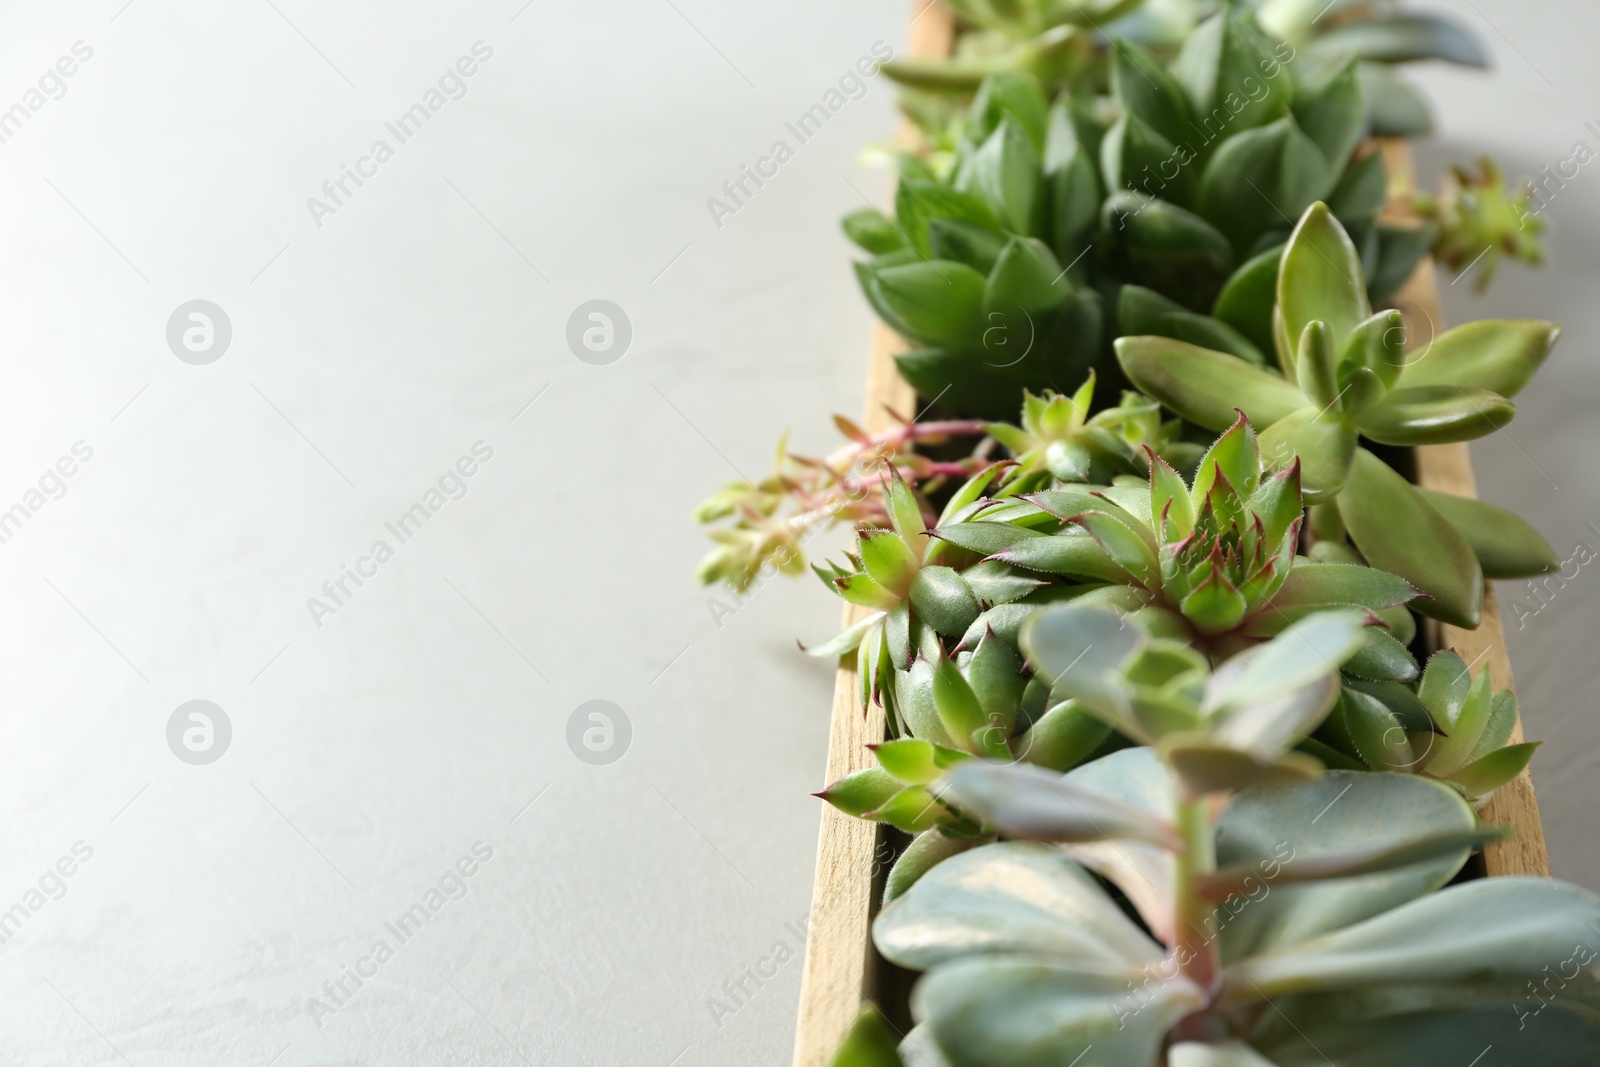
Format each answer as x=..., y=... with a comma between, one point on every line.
x=621, y=903
x=368, y=354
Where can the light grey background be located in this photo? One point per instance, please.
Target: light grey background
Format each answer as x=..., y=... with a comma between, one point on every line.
x=368, y=355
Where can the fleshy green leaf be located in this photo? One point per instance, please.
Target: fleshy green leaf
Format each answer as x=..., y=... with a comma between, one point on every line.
x=913, y=809
x=1206, y=387
x=1220, y=66
x=995, y=674
x=1435, y=415
x=1341, y=583
x=1128, y=547
x=1507, y=928
x=942, y=599
x=1398, y=531
x=1505, y=544
x=1005, y=172
x=917, y=202
x=1257, y=178
x=1500, y=355
x=936, y=302
x=873, y=231
x=1246, y=301
x=861, y=792
x=887, y=558
x=929, y=848
x=1014, y=896
x=1073, y=197
x=1333, y=114
x=965, y=242
x=1397, y=37
x=1321, y=277
x=871, y=1042
x=1323, y=441
x=1061, y=738
x=1027, y=802
x=1484, y=775
x=1146, y=89
x=1036, y=1012
x=1343, y=812
x=1144, y=311
x=1072, y=555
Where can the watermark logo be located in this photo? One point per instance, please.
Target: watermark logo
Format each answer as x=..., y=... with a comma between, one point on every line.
x=598, y=732
x=199, y=732
x=199, y=332
x=599, y=332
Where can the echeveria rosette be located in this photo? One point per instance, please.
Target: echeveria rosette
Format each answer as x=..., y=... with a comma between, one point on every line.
x=1213, y=562
x=1236, y=726
x=1306, y=912
x=1452, y=726
x=1345, y=376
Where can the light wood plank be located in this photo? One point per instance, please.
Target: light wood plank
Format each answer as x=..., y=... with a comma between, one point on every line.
x=839, y=965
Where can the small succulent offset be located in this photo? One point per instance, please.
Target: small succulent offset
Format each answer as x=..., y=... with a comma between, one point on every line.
x=1452, y=727
x=1344, y=376
x=1058, y=441
x=1299, y=920
x=1481, y=220
x=774, y=518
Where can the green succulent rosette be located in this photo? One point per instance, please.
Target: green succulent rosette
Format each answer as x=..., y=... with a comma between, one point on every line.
x=1345, y=376
x=1050, y=229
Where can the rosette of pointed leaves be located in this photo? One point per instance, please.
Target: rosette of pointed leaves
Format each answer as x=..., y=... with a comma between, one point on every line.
x=917, y=600
x=970, y=269
x=1345, y=376
x=1452, y=726
x=1059, y=441
x=1307, y=917
x=1481, y=220
x=996, y=267
x=1212, y=159
x=1212, y=562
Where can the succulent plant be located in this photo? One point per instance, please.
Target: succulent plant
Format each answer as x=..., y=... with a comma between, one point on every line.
x=774, y=518
x=1482, y=220
x=1213, y=562
x=1345, y=376
x=1058, y=441
x=1381, y=36
x=1049, y=226
x=1451, y=726
x=1304, y=915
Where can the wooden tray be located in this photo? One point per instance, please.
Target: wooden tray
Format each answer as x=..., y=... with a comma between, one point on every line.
x=841, y=965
